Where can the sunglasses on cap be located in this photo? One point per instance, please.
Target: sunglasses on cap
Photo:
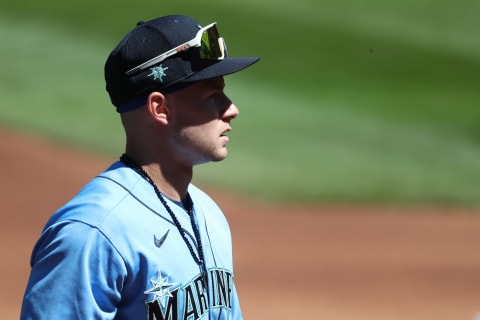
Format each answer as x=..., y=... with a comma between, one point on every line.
x=212, y=47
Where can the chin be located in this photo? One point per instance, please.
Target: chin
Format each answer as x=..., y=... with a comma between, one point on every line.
x=217, y=157
x=221, y=155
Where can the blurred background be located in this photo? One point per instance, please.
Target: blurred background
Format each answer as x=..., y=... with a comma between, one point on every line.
x=354, y=101
x=353, y=182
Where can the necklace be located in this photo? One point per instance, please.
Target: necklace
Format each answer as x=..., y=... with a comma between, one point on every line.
x=188, y=206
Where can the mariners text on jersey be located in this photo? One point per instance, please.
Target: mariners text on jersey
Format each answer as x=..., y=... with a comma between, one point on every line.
x=194, y=294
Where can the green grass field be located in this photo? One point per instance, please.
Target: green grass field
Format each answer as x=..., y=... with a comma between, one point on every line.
x=353, y=101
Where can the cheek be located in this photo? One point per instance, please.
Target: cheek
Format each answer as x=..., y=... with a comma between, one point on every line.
x=197, y=145
x=194, y=138
x=198, y=117
x=200, y=134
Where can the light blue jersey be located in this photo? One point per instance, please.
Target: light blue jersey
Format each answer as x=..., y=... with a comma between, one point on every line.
x=113, y=252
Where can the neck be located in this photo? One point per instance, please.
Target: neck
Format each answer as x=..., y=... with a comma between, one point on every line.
x=171, y=181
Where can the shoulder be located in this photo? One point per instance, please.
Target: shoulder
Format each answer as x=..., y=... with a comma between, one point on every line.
x=102, y=196
x=207, y=207
x=200, y=197
x=204, y=202
x=107, y=209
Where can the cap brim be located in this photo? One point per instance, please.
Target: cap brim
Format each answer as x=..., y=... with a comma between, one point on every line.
x=222, y=68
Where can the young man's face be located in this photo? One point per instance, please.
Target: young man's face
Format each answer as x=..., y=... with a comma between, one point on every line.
x=200, y=118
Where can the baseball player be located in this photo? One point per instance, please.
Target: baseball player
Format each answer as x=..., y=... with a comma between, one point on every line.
x=140, y=241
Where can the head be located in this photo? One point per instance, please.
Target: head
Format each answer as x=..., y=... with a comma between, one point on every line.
x=166, y=54
x=166, y=77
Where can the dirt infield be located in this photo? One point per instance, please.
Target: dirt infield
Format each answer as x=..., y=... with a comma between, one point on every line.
x=327, y=262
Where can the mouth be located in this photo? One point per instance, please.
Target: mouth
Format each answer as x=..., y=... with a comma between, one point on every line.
x=224, y=135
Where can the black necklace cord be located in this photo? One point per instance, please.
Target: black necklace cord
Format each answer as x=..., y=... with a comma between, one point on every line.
x=188, y=205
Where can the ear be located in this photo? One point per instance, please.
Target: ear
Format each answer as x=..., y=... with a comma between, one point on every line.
x=157, y=107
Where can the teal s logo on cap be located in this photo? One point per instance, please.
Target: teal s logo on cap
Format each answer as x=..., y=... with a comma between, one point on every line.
x=158, y=73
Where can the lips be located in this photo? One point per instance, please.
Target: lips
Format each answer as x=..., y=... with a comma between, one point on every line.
x=224, y=133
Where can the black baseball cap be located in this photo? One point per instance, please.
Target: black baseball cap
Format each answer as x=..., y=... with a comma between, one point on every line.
x=130, y=78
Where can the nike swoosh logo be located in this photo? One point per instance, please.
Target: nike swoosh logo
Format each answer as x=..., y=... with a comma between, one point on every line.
x=159, y=242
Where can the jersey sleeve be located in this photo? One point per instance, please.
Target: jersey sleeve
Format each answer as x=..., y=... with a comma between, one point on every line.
x=76, y=274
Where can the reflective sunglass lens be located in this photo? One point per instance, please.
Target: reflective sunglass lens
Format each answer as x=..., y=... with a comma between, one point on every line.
x=211, y=48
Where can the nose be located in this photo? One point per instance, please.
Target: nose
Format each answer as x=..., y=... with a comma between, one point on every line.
x=232, y=111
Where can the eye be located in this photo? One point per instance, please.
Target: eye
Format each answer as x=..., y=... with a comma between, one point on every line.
x=215, y=95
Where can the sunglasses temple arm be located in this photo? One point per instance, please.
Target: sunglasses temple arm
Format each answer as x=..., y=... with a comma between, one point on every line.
x=151, y=62
x=163, y=56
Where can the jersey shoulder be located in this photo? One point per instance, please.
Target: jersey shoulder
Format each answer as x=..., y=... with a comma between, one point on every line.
x=97, y=198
